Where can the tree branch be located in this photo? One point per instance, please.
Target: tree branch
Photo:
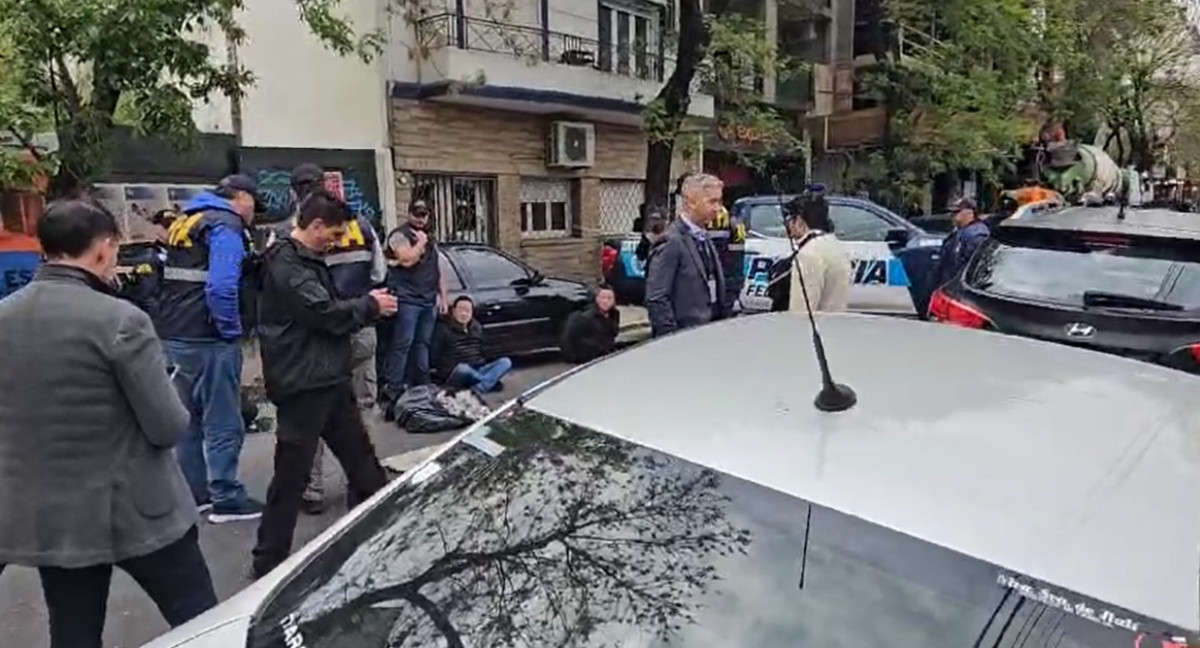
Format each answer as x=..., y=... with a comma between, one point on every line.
x=435, y=614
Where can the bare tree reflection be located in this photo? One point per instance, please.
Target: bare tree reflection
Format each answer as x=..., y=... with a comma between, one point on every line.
x=568, y=538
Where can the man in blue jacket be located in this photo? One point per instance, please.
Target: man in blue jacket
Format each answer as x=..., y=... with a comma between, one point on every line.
x=970, y=233
x=206, y=305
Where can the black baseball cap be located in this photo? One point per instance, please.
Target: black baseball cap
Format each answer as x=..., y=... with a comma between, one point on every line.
x=419, y=208
x=965, y=203
x=307, y=174
x=243, y=182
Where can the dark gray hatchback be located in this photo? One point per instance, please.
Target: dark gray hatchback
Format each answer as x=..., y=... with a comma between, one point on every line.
x=1088, y=277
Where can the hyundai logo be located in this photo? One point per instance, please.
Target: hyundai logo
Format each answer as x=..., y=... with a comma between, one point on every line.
x=1080, y=330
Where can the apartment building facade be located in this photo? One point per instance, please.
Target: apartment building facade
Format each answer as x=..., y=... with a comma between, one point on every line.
x=520, y=122
x=836, y=40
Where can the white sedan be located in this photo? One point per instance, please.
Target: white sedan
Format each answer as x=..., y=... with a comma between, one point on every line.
x=1044, y=498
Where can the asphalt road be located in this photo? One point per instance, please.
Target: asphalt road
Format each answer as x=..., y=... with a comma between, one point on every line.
x=132, y=618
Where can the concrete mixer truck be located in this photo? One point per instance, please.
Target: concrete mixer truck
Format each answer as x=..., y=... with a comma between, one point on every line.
x=1076, y=169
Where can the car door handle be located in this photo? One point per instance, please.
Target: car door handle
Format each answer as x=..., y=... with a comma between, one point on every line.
x=493, y=308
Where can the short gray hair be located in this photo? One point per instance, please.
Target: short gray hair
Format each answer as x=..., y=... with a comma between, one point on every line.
x=697, y=181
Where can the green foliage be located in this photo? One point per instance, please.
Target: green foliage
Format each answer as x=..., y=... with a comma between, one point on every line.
x=975, y=80
x=20, y=122
x=955, y=95
x=82, y=61
x=732, y=66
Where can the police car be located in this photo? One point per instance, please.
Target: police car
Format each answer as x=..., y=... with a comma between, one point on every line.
x=891, y=257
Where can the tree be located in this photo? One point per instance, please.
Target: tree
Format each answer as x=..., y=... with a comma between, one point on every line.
x=957, y=85
x=81, y=60
x=727, y=54
x=1120, y=70
x=565, y=534
x=20, y=122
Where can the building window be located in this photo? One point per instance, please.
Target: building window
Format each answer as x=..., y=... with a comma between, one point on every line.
x=620, y=205
x=463, y=207
x=545, y=208
x=627, y=32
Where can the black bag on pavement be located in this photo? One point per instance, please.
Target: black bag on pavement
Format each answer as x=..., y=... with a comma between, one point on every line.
x=426, y=409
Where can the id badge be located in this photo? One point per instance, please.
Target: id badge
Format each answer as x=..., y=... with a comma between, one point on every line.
x=712, y=291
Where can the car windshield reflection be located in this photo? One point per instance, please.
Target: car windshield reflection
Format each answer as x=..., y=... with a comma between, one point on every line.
x=536, y=532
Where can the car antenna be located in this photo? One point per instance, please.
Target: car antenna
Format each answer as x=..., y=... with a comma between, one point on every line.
x=834, y=396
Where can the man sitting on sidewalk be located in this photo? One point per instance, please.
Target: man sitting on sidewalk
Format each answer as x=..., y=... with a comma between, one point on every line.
x=592, y=332
x=458, y=351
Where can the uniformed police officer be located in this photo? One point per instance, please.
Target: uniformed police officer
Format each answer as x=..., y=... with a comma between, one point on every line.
x=357, y=265
x=204, y=308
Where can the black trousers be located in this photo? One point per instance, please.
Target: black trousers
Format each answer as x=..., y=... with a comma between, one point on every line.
x=330, y=414
x=176, y=578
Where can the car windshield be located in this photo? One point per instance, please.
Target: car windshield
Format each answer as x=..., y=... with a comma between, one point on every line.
x=767, y=220
x=536, y=532
x=1062, y=272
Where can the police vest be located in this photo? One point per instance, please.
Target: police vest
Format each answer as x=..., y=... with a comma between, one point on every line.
x=183, y=308
x=351, y=259
x=728, y=237
x=139, y=275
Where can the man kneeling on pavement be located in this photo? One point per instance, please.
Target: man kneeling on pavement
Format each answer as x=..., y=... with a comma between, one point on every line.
x=458, y=351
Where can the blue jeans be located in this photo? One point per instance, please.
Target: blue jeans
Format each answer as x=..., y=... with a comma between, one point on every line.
x=483, y=379
x=209, y=379
x=411, y=335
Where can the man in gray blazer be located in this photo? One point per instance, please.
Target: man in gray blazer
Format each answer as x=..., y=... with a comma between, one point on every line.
x=88, y=417
x=685, y=284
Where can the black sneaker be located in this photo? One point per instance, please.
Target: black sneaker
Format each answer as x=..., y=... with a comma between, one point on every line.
x=247, y=509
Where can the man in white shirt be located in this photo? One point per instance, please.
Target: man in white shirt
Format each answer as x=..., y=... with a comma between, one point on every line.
x=821, y=257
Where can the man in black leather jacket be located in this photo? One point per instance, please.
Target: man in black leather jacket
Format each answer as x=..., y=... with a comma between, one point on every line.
x=304, y=333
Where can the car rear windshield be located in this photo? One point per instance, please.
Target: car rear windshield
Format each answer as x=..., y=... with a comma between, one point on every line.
x=535, y=532
x=1061, y=267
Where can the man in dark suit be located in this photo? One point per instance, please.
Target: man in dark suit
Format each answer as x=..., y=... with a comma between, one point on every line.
x=686, y=284
x=88, y=420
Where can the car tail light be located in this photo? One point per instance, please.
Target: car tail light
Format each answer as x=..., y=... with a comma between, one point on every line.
x=608, y=259
x=950, y=311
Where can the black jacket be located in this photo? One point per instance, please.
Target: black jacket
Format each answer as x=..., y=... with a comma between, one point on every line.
x=590, y=334
x=304, y=329
x=454, y=344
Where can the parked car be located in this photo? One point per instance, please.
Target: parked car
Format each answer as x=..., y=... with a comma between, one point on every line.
x=1086, y=277
x=892, y=257
x=521, y=310
x=586, y=513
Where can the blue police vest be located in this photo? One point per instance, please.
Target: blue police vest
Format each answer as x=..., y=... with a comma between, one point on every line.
x=351, y=260
x=182, y=308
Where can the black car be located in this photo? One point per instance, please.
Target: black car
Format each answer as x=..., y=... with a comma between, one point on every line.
x=1092, y=277
x=521, y=310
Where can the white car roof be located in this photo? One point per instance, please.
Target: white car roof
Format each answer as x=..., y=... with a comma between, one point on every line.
x=1072, y=467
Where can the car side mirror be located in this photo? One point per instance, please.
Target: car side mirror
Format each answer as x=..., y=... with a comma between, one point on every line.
x=897, y=237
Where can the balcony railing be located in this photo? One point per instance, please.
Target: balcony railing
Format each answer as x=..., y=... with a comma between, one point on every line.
x=531, y=43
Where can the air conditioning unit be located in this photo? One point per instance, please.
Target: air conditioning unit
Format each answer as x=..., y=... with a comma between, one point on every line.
x=571, y=144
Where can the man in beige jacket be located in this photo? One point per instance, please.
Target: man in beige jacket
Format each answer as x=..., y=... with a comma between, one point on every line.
x=820, y=256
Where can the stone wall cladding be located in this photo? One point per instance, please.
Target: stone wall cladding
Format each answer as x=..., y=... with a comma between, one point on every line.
x=436, y=137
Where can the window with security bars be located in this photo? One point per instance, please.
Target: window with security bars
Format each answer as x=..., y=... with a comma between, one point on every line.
x=620, y=205
x=463, y=207
x=546, y=210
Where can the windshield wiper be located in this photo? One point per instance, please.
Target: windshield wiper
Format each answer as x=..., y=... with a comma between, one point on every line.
x=1117, y=300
